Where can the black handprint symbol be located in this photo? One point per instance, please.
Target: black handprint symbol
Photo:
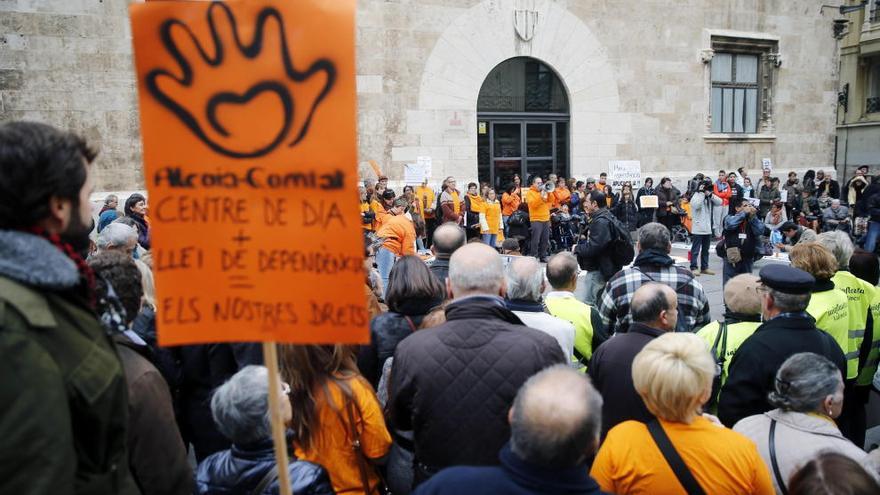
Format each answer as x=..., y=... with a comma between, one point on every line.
x=199, y=93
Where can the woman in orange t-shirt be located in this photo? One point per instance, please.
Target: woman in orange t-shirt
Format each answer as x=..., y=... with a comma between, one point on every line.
x=673, y=375
x=510, y=201
x=326, y=390
x=562, y=193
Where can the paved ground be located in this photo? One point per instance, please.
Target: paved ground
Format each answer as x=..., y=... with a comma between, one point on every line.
x=711, y=283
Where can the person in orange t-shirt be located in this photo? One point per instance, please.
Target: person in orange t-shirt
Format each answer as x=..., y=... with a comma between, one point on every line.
x=561, y=193
x=539, y=201
x=399, y=235
x=379, y=206
x=491, y=226
x=326, y=392
x=510, y=201
x=673, y=375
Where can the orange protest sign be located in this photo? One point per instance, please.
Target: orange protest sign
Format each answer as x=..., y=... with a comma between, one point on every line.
x=248, y=121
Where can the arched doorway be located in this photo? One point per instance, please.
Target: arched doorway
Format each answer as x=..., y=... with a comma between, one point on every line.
x=522, y=123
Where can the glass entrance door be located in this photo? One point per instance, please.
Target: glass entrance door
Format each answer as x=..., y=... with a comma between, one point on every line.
x=524, y=147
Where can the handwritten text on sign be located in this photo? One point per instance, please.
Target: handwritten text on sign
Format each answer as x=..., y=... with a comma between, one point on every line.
x=248, y=120
x=621, y=171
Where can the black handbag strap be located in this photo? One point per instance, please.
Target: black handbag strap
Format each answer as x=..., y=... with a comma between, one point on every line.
x=266, y=481
x=684, y=475
x=776, y=472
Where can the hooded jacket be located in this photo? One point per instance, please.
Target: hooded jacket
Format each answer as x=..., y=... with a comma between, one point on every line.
x=65, y=408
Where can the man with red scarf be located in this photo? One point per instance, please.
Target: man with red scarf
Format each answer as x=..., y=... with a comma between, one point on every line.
x=64, y=415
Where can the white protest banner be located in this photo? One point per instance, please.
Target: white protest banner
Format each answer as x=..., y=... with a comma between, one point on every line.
x=414, y=173
x=766, y=164
x=620, y=171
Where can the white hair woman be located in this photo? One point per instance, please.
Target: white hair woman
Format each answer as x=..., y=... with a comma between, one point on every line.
x=673, y=375
x=241, y=411
x=808, y=396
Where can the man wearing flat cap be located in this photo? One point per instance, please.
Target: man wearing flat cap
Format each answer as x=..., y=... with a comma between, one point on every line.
x=787, y=330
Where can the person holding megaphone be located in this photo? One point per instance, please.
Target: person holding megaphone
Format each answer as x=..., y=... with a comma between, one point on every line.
x=538, y=200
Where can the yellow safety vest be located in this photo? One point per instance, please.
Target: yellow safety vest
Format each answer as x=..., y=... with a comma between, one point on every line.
x=830, y=308
x=859, y=295
x=570, y=309
x=869, y=368
x=737, y=333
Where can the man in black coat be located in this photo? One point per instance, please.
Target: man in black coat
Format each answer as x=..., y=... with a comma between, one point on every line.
x=825, y=184
x=593, y=254
x=654, y=311
x=787, y=330
x=554, y=426
x=453, y=385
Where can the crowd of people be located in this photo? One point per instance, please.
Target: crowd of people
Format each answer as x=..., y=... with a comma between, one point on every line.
x=485, y=372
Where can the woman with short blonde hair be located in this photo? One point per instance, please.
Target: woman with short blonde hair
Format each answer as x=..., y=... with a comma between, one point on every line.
x=673, y=375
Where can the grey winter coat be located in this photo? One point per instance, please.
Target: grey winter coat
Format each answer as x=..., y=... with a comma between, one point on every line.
x=701, y=211
x=800, y=437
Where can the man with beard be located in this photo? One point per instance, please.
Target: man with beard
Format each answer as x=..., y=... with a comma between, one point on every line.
x=64, y=415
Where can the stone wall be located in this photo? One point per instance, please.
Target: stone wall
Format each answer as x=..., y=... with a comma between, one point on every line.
x=68, y=63
x=633, y=70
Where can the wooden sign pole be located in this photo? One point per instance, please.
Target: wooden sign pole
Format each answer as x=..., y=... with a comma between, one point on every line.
x=270, y=356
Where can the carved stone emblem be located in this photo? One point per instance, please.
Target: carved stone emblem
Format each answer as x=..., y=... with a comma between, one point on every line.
x=525, y=20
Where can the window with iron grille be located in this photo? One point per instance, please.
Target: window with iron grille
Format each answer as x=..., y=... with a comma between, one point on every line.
x=872, y=104
x=734, y=95
x=875, y=11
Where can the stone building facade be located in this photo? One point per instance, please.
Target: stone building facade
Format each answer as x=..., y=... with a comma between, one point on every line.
x=858, y=119
x=596, y=80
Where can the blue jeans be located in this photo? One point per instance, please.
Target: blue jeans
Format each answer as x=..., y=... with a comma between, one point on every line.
x=490, y=239
x=872, y=236
x=594, y=282
x=700, y=247
x=384, y=262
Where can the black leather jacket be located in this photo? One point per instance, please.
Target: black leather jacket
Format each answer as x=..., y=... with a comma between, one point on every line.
x=240, y=469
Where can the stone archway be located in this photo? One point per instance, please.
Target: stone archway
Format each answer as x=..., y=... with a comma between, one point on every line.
x=485, y=36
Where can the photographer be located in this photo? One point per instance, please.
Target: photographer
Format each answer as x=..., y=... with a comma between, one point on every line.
x=593, y=254
x=538, y=199
x=742, y=230
x=703, y=204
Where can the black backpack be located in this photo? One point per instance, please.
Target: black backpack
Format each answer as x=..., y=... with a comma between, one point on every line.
x=518, y=218
x=621, y=246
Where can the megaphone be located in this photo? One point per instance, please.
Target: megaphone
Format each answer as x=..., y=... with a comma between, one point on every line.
x=549, y=187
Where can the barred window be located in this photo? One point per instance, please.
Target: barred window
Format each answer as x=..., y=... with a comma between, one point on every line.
x=735, y=93
x=872, y=105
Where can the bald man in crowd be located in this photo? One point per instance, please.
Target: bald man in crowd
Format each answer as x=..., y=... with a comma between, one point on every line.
x=554, y=425
x=453, y=386
x=447, y=238
x=654, y=310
